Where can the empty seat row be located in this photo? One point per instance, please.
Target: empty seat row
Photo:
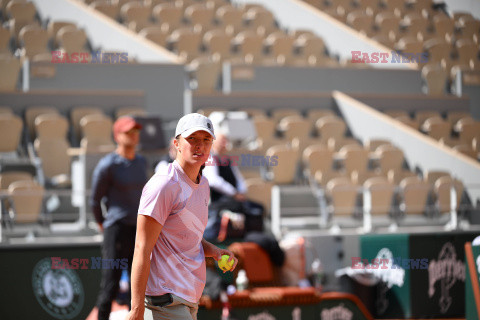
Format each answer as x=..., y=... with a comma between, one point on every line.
x=47, y=132
x=459, y=130
x=446, y=43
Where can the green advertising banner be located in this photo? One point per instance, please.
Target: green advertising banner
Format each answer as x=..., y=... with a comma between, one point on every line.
x=472, y=310
x=426, y=277
x=383, y=256
x=33, y=288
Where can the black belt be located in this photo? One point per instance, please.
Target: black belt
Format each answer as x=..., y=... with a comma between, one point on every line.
x=160, y=301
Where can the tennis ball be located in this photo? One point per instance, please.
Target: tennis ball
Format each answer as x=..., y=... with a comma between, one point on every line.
x=224, y=264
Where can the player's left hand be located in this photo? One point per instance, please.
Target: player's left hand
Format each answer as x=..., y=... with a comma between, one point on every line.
x=221, y=252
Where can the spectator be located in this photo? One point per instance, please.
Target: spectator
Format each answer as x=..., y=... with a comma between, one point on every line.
x=117, y=182
x=228, y=192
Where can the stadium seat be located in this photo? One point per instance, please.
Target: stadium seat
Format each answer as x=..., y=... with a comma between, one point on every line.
x=207, y=73
x=7, y=178
x=381, y=195
x=311, y=46
x=387, y=25
x=412, y=123
x=422, y=115
x=431, y=176
x=469, y=28
x=55, y=160
x=201, y=14
x=264, y=126
x=294, y=127
x=34, y=42
x=230, y=18
x=249, y=44
x=76, y=114
x=442, y=190
x=466, y=150
x=155, y=34
x=435, y=78
x=314, y=114
x=260, y=20
x=55, y=26
x=10, y=67
x=218, y=42
x=301, y=144
x=444, y=27
x=323, y=177
x=317, y=158
x=335, y=144
x=373, y=144
x=437, y=128
x=330, y=127
x=135, y=11
x=284, y=172
x=279, y=114
x=10, y=133
x=361, y=21
x=359, y=178
x=72, y=40
x=21, y=10
x=342, y=196
x=437, y=50
x=169, y=14
x=186, y=43
x=389, y=158
x=454, y=116
x=5, y=38
x=31, y=113
x=51, y=125
x=396, y=7
x=27, y=201
x=468, y=130
x=415, y=25
x=467, y=50
x=110, y=9
x=396, y=176
x=355, y=158
x=96, y=133
x=278, y=45
x=260, y=191
x=414, y=195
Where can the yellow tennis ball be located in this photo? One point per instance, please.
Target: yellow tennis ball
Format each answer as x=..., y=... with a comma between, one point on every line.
x=224, y=264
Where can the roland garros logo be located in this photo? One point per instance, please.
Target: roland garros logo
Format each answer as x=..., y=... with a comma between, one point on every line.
x=58, y=291
x=261, y=316
x=447, y=270
x=339, y=312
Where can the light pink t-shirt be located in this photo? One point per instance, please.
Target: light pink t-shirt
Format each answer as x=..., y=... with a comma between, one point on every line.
x=181, y=207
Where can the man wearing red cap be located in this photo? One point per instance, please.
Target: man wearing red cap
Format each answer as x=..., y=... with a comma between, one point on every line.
x=117, y=182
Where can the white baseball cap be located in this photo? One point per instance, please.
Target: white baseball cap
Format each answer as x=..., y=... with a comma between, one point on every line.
x=193, y=122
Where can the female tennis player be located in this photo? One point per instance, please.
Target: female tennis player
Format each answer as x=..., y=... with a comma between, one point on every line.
x=168, y=271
